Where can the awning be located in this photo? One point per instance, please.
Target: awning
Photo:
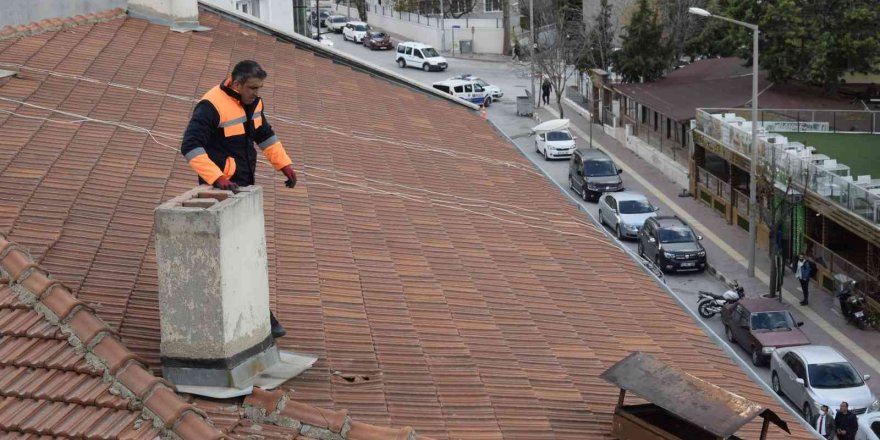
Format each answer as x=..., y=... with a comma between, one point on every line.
x=699, y=402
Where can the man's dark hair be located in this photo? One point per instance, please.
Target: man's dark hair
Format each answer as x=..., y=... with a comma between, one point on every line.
x=246, y=70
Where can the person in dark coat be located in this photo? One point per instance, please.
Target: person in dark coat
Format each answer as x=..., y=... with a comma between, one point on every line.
x=546, y=86
x=846, y=423
x=823, y=423
x=804, y=272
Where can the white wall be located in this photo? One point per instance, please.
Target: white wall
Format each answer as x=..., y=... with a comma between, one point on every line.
x=486, y=34
x=172, y=11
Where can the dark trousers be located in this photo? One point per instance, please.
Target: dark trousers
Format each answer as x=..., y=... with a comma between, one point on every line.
x=805, y=287
x=546, y=98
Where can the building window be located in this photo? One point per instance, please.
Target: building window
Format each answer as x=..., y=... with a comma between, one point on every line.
x=656, y=121
x=668, y=128
x=493, y=6
x=644, y=115
x=250, y=7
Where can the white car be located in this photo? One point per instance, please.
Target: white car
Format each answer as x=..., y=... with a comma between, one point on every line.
x=553, y=140
x=869, y=427
x=815, y=375
x=325, y=40
x=355, y=31
x=420, y=56
x=494, y=91
x=625, y=212
x=336, y=23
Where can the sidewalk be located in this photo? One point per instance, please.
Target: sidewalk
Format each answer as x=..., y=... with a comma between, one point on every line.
x=727, y=246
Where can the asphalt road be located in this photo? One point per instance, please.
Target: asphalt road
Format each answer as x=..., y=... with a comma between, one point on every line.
x=513, y=78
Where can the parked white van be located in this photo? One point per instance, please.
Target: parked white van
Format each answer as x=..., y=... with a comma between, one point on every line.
x=469, y=90
x=420, y=56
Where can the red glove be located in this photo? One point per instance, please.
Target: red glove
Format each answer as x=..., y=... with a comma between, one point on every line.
x=224, y=183
x=290, y=174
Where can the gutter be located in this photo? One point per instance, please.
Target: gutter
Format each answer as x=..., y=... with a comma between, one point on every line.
x=333, y=54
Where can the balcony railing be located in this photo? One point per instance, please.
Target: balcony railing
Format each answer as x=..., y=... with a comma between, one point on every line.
x=860, y=198
x=834, y=263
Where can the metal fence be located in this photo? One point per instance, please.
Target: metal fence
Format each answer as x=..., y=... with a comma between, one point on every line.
x=655, y=138
x=794, y=160
x=834, y=263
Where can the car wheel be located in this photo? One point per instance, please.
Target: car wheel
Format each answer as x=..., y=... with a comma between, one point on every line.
x=545, y=155
x=601, y=219
x=617, y=231
x=570, y=183
x=537, y=150
x=729, y=333
x=756, y=357
x=641, y=249
x=584, y=193
x=401, y=63
x=487, y=102
x=657, y=263
x=808, y=411
x=774, y=382
x=426, y=67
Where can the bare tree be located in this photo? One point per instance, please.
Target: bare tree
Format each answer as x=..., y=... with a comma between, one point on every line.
x=679, y=25
x=560, y=43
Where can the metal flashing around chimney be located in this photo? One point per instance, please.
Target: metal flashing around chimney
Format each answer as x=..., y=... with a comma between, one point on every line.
x=214, y=292
x=178, y=15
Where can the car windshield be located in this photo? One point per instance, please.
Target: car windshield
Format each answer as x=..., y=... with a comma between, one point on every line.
x=338, y=20
x=676, y=235
x=558, y=136
x=377, y=35
x=430, y=52
x=481, y=82
x=836, y=375
x=772, y=321
x=599, y=168
x=635, y=207
x=360, y=27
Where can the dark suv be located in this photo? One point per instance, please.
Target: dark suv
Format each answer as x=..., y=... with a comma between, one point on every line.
x=591, y=173
x=671, y=244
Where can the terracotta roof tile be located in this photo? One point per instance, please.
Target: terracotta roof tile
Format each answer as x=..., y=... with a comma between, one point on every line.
x=447, y=308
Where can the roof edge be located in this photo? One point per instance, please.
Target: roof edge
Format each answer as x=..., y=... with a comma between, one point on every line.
x=101, y=347
x=334, y=54
x=54, y=24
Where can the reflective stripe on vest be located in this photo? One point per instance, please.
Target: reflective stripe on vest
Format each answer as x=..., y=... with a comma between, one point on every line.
x=232, y=115
x=258, y=115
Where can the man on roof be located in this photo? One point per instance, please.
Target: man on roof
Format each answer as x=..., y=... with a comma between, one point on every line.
x=225, y=125
x=219, y=140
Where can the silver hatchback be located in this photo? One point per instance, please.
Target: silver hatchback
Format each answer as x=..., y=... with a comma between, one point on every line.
x=815, y=375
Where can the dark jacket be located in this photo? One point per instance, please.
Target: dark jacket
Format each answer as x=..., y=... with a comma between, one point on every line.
x=203, y=131
x=829, y=425
x=545, y=87
x=848, y=423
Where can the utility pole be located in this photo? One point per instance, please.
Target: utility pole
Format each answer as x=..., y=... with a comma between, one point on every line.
x=442, y=28
x=534, y=45
x=318, y=19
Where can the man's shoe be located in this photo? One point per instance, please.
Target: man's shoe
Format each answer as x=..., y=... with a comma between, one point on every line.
x=277, y=329
x=804, y=303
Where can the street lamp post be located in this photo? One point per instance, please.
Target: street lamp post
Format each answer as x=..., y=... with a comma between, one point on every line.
x=533, y=45
x=753, y=171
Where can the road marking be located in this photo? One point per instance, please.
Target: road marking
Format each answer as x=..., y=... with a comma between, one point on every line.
x=835, y=334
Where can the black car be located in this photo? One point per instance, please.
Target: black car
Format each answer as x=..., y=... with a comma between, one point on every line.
x=591, y=173
x=671, y=244
x=323, y=14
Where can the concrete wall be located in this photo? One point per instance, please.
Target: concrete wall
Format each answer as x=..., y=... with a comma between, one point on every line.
x=16, y=12
x=180, y=13
x=486, y=34
x=276, y=13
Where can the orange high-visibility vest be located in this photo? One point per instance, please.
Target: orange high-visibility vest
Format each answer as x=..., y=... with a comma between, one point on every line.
x=232, y=122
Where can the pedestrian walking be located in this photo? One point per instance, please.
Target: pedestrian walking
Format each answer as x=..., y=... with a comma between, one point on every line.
x=219, y=140
x=517, y=51
x=823, y=423
x=845, y=423
x=803, y=272
x=546, y=86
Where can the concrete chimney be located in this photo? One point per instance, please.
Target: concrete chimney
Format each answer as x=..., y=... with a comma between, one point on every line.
x=178, y=14
x=214, y=288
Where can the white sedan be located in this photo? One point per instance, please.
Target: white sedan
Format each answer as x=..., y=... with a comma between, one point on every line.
x=625, y=212
x=869, y=427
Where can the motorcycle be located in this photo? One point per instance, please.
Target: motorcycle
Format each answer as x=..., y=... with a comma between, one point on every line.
x=852, y=305
x=708, y=303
